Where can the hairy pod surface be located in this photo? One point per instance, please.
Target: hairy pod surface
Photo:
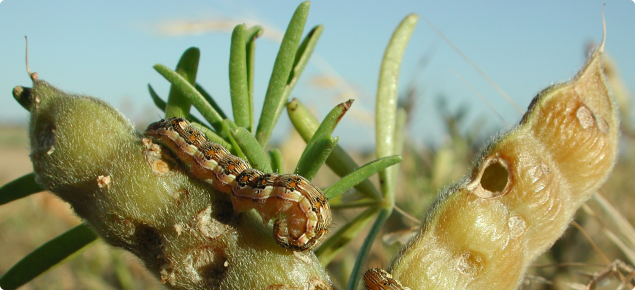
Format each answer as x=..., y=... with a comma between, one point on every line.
x=484, y=232
x=136, y=196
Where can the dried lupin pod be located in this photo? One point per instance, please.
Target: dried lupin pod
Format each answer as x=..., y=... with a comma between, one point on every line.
x=137, y=197
x=484, y=232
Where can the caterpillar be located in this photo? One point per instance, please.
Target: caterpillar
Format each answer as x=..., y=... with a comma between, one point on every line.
x=302, y=212
x=378, y=279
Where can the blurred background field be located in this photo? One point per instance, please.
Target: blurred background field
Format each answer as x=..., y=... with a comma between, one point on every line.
x=447, y=128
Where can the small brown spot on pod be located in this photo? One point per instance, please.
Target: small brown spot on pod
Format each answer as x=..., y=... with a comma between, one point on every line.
x=603, y=126
x=517, y=226
x=167, y=274
x=45, y=138
x=208, y=265
x=206, y=225
x=178, y=228
x=469, y=263
x=545, y=169
x=319, y=284
x=160, y=166
x=585, y=117
x=147, y=142
x=302, y=256
x=180, y=195
x=103, y=181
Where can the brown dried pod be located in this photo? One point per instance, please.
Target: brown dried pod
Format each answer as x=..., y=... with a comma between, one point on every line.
x=484, y=232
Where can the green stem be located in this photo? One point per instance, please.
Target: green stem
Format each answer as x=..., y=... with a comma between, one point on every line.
x=178, y=105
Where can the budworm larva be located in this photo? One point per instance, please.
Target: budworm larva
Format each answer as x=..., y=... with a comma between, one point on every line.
x=301, y=210
x=378, y=279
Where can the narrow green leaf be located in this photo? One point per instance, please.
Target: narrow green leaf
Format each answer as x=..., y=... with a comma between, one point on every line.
x=231, y=124
x=274, y=98
x=315, y=155
x=277, y=164
x=19, y=188
x=356, y=204
x=359, y=175
x=302, y=119
x=192, y=95
x=238, y=87
x=211, y=135
x=339, y=161
x=160, y=103
x=302, y=56
x=210, y=100
x=178, y=105
x=250, y=48
x=400, y=130
x=321, y=140
x=386, y=105
x=386, y=122
x=336, y=242
x=255, y=154
x=236, y=150
x=48, y=256
x=359, y=267
x=330, y=121
x=122, y=272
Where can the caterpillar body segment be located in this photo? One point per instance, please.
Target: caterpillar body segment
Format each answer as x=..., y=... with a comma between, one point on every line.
x=378, y=279
x=301, y=210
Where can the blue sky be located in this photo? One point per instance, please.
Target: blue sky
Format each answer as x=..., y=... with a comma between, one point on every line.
x=107, y=49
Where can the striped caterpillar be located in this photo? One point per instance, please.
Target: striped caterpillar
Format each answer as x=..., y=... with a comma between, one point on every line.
x=378, y=279
x=301, y=210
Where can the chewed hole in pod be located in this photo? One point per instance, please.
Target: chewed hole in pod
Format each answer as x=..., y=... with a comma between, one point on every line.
x=492, y=179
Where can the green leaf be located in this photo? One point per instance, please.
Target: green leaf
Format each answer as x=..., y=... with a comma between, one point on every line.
x=315, y=155
x=160, y=103
x=302, y=56
x=274, y=98
x=339, y=161
x=358, y=269
x=178, y=105
x=122, y=272
x=386, y=104
x=19, y=188
x=277, y=164
x=48, y=256
x=250, y=49
x=238, y=87
x=360, y=175
x=236, y=150
x=400, y=130
x=330, y=121
x=192, y=95
x=336, y=242
x=357, y=204
x=386, y=125
x=210, y=100
x=255, y=154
